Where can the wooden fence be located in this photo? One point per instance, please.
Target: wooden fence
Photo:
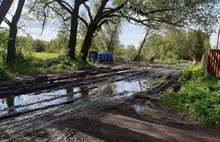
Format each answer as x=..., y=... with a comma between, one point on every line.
x=211, y=62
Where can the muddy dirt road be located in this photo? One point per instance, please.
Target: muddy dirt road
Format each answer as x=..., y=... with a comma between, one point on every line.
x=117, y=103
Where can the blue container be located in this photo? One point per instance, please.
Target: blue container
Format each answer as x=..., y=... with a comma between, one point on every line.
x=104, y=57
x=110, y=57
x=99, y=56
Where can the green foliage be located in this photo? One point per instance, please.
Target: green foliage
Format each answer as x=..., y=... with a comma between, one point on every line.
x=36, y=66
x=108, y=36
x=183, y=13
x=32, y=65
x=60, y=64
x=121, y=53
x=24, y=43
x=199, y=44
x=56, y=45
x=3, y=45
x=199, y=96
x=176, y=45
x=39, y=46
x=3, y=74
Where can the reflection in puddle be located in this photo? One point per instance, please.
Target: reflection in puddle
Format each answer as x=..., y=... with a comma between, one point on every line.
x=10, y=103
x=117, y=90
x=146, y=111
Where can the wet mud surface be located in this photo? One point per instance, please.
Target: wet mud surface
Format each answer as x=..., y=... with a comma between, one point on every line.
x=111, y=103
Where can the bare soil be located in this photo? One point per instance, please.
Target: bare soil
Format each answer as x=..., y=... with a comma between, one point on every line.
x=97, y=117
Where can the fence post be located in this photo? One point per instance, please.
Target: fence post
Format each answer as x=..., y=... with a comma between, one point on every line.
x=206, y=64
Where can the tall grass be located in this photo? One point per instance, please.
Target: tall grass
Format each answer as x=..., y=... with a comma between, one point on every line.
x=199, y=96
x=41, y=64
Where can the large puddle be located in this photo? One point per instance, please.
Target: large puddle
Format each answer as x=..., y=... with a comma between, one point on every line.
x=35, y=101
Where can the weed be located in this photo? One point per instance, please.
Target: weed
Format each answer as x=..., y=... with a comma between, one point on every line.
x=199, y=96
x=3, y=74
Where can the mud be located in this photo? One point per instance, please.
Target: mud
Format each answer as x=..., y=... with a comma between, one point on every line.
x=116, y=102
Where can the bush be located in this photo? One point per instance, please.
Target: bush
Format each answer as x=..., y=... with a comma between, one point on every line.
x=199, y=96
x=3, y=74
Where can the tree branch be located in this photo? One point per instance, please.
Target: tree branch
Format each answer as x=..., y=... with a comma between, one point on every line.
x=62, y=3
x=89, y=11
x=84, y=21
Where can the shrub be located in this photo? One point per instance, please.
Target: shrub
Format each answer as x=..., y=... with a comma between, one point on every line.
x=3, y=74
x=199, y=96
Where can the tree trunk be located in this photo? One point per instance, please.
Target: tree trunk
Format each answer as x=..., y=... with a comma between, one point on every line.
x=11, y=51
x=137, y=58
x=73, y=31
x=87, y=42
x=11, y=54
x=4, y=8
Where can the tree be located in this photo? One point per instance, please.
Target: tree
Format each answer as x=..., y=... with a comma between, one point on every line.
x=149, y=34
x=4, y=8
x=197, y=13
x=108, y=37
x=74, y=12
x=68, y=12
x=131, y=51
x=39, y=45
x=11, y=51
x=151, y=14
x=25, y=43
x=199, y=46
x=176, y=45
x=103, y=14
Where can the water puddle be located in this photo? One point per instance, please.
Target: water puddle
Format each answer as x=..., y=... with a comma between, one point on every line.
x=94, y=92
x=146, y=111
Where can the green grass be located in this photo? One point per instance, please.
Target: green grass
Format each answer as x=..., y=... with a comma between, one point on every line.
x=171, y=62
x=198, y=98
x=41, y=64
x=44, y=56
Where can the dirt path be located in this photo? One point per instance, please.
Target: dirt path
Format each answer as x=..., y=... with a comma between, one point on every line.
x=121, y=105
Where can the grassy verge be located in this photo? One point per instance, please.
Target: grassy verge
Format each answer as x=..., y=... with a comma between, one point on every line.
x=198, y=98
x=170, y=62
x=33, y=65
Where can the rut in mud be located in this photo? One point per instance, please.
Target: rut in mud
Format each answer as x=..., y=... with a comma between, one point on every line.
x=115, y=105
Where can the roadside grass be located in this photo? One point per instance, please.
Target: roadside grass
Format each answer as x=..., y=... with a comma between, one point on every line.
x=198, y=97
x=33, y=65
x=44, y=56
x=171, y=62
